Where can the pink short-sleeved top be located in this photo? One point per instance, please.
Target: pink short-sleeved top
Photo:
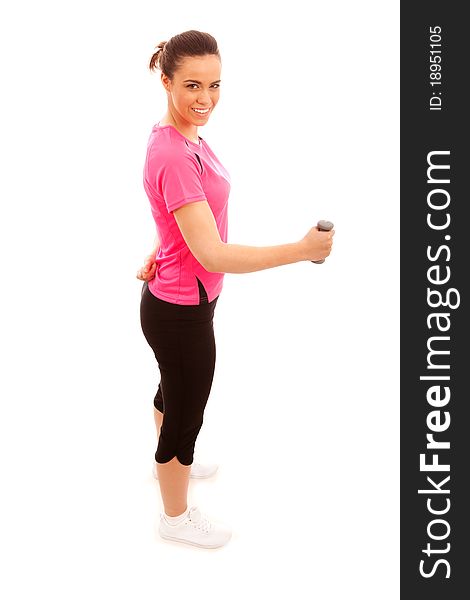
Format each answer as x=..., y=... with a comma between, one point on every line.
x=178, y=171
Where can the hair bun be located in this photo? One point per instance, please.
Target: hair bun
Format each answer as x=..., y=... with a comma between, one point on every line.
x=189, y=43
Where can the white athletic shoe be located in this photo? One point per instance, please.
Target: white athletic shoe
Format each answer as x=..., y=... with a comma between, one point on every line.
x=197, y=471
x=196, y=529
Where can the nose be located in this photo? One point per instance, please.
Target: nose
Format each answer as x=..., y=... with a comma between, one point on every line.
x=204, y=99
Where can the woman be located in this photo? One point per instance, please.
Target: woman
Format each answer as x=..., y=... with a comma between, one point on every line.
x=188, y=189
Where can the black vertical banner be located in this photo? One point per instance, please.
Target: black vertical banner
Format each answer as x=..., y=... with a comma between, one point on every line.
x=435, y=268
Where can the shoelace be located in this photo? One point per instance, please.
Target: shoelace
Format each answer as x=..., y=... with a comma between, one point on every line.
x=202, y=523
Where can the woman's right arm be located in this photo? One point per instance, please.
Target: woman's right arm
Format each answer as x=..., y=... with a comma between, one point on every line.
x=199, y=230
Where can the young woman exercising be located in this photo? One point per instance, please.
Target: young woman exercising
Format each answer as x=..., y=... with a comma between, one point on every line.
x=188, y=189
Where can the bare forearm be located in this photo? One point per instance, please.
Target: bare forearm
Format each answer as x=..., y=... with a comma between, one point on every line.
x=235, y=258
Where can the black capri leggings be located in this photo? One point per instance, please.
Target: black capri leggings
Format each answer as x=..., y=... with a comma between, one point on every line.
x=182, y=339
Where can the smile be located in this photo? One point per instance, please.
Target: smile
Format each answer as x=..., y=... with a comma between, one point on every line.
x=201, y=111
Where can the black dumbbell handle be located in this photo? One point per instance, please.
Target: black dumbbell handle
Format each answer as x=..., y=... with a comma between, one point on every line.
x=323, y=226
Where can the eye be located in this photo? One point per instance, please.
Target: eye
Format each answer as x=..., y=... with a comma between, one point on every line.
x=193, y=85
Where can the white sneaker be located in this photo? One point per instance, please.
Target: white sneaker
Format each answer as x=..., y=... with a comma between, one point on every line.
x=196, y=529
x=197, y=471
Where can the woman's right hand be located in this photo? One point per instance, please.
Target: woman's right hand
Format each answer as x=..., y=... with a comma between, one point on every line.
x=317, y=244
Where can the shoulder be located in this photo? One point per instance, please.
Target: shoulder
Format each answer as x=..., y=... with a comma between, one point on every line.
x=169, y=148
x=165, y=142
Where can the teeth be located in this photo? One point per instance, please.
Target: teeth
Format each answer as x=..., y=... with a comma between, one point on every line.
x=201, y=111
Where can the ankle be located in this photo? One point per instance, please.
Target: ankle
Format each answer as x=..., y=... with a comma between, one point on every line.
x=176, y=513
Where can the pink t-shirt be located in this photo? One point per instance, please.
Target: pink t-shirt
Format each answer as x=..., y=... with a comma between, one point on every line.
x=178, y=171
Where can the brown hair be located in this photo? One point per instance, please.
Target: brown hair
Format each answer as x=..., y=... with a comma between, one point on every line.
x=167, y=56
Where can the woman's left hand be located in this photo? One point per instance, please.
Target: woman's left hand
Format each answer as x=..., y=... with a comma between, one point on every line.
x=147, y=272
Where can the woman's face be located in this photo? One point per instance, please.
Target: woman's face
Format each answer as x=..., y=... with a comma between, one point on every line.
x=195, y=85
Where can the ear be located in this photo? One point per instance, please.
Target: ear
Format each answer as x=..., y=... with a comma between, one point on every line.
x=165, y=82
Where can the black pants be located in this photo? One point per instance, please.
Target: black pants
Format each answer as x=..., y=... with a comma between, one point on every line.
x=182, y=339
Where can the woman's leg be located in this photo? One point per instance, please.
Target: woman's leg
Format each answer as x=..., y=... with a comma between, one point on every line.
x=183, y=342
x=173, y=478
x=174, y=486
x=186, y=379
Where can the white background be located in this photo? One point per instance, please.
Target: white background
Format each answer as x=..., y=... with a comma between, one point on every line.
x=304, y=410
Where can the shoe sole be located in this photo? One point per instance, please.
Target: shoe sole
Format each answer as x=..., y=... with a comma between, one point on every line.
x=173, y=539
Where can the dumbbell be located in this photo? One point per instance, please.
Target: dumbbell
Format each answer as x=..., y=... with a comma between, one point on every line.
x=323, y=226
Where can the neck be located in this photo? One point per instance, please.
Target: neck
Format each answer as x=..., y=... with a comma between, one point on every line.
x=187, y=129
